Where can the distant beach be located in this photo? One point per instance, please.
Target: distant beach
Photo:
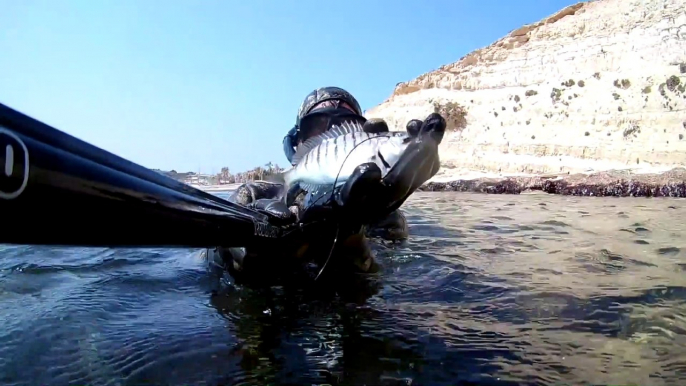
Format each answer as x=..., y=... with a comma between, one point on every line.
x=217, y=188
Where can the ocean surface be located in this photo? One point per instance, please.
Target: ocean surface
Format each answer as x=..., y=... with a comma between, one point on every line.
x=531, y=289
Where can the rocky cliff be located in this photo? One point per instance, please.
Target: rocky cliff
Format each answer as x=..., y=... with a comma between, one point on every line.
x=598, y=86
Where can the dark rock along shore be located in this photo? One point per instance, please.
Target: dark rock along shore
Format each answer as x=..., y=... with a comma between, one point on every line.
x=604, y=184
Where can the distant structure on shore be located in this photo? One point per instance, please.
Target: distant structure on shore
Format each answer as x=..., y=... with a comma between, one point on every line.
x=224, y=177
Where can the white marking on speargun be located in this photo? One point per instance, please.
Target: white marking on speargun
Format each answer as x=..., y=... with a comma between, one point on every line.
x=9, y=160
x=22, y=153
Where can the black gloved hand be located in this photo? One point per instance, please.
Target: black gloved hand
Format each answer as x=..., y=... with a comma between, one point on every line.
x=375, y=125
x=367, y=197
x=276, y=209
x=414, y=126
x=262, y=196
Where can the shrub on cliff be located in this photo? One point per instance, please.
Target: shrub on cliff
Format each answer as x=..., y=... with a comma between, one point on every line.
x=672, y=82
x=631, y=129
x=455, y=115
x=623, y=84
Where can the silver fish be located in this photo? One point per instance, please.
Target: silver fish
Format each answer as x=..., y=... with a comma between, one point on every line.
x=330, y=158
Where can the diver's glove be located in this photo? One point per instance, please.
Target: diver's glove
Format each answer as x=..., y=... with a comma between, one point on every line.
x=368, y=196
x=276, y=209
x=414, y=126
x=262, y=196
x=375, y=126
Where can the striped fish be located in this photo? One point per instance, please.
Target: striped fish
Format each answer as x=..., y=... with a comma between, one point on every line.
x=331, y=157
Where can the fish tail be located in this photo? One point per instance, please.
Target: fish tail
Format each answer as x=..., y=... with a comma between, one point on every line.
x=287, y=177
x=277, y=178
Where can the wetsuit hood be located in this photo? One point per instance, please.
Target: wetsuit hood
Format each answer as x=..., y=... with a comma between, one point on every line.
x=323, y=94
x=321, y=107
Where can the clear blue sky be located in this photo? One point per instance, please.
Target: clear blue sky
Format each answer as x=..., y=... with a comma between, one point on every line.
x=197, y=85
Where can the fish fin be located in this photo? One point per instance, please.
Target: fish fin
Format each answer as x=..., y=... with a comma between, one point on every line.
x=287, y=177
x=349, y=126
x=343, y=129
x=277, y=178
x=335, y=131
x=305, y=147
x=313, y=187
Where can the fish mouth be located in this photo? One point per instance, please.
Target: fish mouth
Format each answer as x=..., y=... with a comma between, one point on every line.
x=418, y=163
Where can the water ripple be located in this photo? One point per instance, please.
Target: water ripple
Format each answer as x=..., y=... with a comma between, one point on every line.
x=496, y=290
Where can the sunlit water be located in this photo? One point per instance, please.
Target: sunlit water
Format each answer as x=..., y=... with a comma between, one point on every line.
x=528, y=289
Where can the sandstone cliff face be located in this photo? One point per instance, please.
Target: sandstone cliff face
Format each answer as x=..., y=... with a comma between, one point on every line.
x=599, y=85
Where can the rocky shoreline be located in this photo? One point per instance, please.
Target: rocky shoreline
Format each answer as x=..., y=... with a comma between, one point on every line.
x=604, y=184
